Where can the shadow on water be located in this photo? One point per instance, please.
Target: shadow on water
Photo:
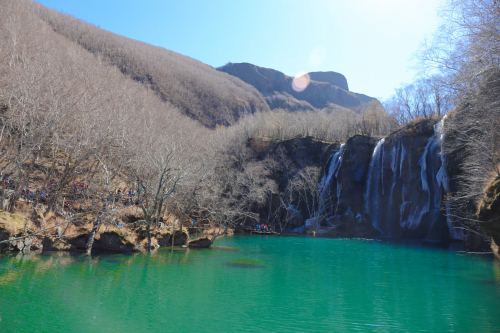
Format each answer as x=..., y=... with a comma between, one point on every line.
x=225, y=248
x=245, y=263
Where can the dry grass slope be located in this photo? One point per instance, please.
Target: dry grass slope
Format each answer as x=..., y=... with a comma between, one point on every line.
x=197, y=89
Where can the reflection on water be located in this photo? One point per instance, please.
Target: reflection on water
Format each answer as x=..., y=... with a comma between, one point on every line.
x=300, y=285
x=8, y=277
x=496, y=270
x=224, y=248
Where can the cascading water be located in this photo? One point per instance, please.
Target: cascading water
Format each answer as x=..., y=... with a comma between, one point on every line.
x=442, y=179
x=404, y=189
x=374, y=190
x=327, y=199
x=399, y=189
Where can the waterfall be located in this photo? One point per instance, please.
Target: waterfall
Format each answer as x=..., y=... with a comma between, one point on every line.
x=373, y=187
x=397, y=186
x=405, y=188
x=326, y=199
x=442, y=179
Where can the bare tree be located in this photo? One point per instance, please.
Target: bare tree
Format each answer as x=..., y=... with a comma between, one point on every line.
x=425, y=98
x=473, y=134
x=467, y=45
x=157, y=167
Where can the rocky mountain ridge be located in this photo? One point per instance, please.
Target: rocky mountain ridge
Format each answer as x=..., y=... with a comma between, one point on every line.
x=322, y=90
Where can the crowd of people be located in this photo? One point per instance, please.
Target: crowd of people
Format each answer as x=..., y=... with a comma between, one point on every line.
x=79, y=190
x=38, y=195
x=263, y=227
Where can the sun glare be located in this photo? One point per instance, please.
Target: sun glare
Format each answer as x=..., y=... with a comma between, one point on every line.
x=300, y=82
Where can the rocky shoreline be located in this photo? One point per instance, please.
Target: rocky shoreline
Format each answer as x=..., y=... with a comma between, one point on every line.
x=54, y=232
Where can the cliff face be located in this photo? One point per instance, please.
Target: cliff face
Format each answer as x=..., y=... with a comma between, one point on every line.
x=288, y=173
x=325, y=88
x=333, y=78
x=341, y=203
x=489, y=214
x=392, y=189
x=406, y=185
x=351, y=180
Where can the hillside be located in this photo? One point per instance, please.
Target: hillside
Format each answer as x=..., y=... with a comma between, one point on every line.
x=198, y=90
x=212, y=97
x=85, y=117
x=324, y=89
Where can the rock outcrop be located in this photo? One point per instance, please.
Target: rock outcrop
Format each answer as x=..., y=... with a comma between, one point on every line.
x=281, y=177
x=179, y=238
x=25, y=234
x=333, y=78
x=406, y=184
x=200, y=243
x=324, y=89
x=489, y=214
x=341, y=197
x=17, y=230
x=392, y=189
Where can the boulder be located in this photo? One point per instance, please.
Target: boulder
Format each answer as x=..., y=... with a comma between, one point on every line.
x=12, y=226
x=112, y=241
x=200, y=243
x=27, y=245
x=179, y=239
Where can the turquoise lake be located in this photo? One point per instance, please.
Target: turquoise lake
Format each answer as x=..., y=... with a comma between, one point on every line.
x=254, y=284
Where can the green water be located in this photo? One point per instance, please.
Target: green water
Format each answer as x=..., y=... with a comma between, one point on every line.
x=254, y=284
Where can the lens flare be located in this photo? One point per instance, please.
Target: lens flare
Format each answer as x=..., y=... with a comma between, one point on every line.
x=300, y=82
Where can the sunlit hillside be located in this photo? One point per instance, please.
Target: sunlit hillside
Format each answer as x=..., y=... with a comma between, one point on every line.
x=196, y=89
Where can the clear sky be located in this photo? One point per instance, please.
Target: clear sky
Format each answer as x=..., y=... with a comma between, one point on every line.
x=372, y=42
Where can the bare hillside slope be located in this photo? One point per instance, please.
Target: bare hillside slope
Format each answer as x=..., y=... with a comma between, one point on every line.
x=198, y=90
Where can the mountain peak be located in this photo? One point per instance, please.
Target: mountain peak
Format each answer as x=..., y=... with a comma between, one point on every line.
x=334, y=78
x=322, y=89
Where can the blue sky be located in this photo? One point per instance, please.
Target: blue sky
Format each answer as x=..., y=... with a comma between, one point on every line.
x=372, y=42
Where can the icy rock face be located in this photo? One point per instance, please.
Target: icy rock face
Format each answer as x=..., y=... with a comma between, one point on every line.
x=407, y=183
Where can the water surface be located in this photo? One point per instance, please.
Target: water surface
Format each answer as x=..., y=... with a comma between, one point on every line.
x=254, y=284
